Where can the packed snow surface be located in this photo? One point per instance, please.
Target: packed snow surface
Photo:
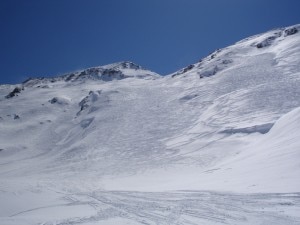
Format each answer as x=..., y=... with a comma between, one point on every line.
x=217, y=142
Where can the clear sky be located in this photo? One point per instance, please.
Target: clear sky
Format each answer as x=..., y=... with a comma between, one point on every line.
x=51, y=37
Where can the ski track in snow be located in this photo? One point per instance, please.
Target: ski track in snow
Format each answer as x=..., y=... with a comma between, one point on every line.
x=168, y=208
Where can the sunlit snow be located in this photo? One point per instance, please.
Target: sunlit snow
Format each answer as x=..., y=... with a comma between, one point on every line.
x=217, y=142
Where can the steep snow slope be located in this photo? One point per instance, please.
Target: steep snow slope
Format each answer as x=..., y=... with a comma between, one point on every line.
x=232, y=108
x=270, y=158
x=76, y=143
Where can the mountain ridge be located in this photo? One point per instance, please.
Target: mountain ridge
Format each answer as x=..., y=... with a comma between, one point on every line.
x=113, y=71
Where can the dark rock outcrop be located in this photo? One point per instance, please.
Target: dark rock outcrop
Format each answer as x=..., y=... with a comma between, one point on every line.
x=290, y=31
x=14, y=93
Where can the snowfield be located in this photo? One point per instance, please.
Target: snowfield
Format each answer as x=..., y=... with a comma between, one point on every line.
x=217, y=142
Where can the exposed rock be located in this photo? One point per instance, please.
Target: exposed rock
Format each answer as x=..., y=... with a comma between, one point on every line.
x=130, y=65
x=59, y=100
x=227, y=61
x=109, y=74
x=290, y=31
x=266, y=42
x=85, y=102
x=188, y=68
x=269, y=40
x=184, y=70
x=53, y=100
x=209, y=72
x=70, y=77
x=14, y=93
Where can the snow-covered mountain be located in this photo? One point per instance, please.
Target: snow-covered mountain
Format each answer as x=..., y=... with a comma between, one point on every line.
x=217, y=142
x=115, y=71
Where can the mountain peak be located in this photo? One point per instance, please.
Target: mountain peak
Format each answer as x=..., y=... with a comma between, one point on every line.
x=114, y=71
x=124, y=65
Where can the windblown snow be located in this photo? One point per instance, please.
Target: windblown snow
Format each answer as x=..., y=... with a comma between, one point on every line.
x=217, y=142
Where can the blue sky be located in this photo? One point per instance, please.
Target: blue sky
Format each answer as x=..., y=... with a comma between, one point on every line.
x=51, y=37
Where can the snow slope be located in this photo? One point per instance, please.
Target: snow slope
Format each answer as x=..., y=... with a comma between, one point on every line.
x=214, y=143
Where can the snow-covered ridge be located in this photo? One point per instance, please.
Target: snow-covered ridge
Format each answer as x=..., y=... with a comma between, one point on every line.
x=222, y=59
x=217, y=61
x=115, y=71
